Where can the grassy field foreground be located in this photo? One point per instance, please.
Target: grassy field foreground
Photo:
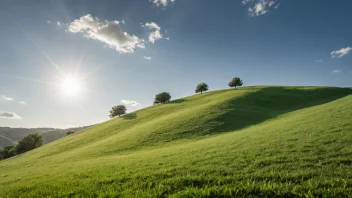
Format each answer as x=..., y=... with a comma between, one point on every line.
x=255, y=141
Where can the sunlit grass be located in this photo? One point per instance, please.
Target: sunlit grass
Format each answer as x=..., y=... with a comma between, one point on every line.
x=257, y=141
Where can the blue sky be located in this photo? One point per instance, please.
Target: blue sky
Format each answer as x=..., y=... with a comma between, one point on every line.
x=127, y=51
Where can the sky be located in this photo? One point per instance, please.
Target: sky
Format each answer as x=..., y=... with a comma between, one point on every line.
x=65, y=63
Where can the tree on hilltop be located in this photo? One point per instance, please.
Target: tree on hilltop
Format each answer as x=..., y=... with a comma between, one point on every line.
x=118, y=111
x=162, y=97
x=235, y=82
x=201, y=87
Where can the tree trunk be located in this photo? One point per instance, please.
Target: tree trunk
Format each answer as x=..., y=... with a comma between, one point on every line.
x=201, y=92
x=235, y=87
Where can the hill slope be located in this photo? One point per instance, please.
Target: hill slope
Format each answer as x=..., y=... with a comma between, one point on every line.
x=260, y=141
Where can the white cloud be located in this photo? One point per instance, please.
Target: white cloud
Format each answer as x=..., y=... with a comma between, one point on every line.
x=153, y=25
x=341, y=52
x=319, y=61
x=155, y=35
x=131, y=103
x=108, y=32
x=147, y=57
x=7, y=98
x=48, y=22
x=9, y=115
x=84, y=23
x=162, y=2
x=123, y=21
x=277, y=6
x=58, y=23
x=336, y=71
x=12, y=99
x=260, y=7
x=244, y=2
x=168, y=38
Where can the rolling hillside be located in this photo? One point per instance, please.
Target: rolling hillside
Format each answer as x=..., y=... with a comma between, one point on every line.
x=254, y=141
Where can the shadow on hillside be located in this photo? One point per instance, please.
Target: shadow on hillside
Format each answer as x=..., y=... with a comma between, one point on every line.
x=129, y=116
x=267, y=103
x=176, y=101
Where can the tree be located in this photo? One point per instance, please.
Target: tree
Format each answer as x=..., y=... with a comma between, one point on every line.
x=29, y=142
x=70, y=132
x=118, y=111
x=162, y=98
x=3, y=154
x=235, y=82
x=7, y=152
x=12, y=152
x=201, y=87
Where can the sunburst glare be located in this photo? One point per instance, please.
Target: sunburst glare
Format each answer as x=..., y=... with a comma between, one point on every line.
x=71, y=86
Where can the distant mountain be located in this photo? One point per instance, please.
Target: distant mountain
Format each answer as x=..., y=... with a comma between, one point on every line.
x=10, y=136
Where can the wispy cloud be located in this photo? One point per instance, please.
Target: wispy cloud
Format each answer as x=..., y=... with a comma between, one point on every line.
x=48, y=22
x=162, y=2
x=12, y=100
x=9, y=115
x=341, y=52
x=336, y=71
x=147, y=57
x=131, y=103
x=108, y=32
x=260, y=7
x=58, y=23
x=154, y=35
x=319, y=61
x=7, y=98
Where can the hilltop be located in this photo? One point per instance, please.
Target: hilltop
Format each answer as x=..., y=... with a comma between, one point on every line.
x=258, y=141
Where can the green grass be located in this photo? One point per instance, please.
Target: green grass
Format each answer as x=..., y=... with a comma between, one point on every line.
x=255, y=141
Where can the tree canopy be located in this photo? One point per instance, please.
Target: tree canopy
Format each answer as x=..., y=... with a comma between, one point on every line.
x=162, y=98
x=236, y=82
x=28, y=143
x=118, y=111
x=201, y=87
x=6, y=152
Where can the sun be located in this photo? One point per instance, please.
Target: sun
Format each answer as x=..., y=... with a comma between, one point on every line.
x=71, y=86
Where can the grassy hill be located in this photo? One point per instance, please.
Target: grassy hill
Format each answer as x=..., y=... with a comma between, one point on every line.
x=255, y=141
